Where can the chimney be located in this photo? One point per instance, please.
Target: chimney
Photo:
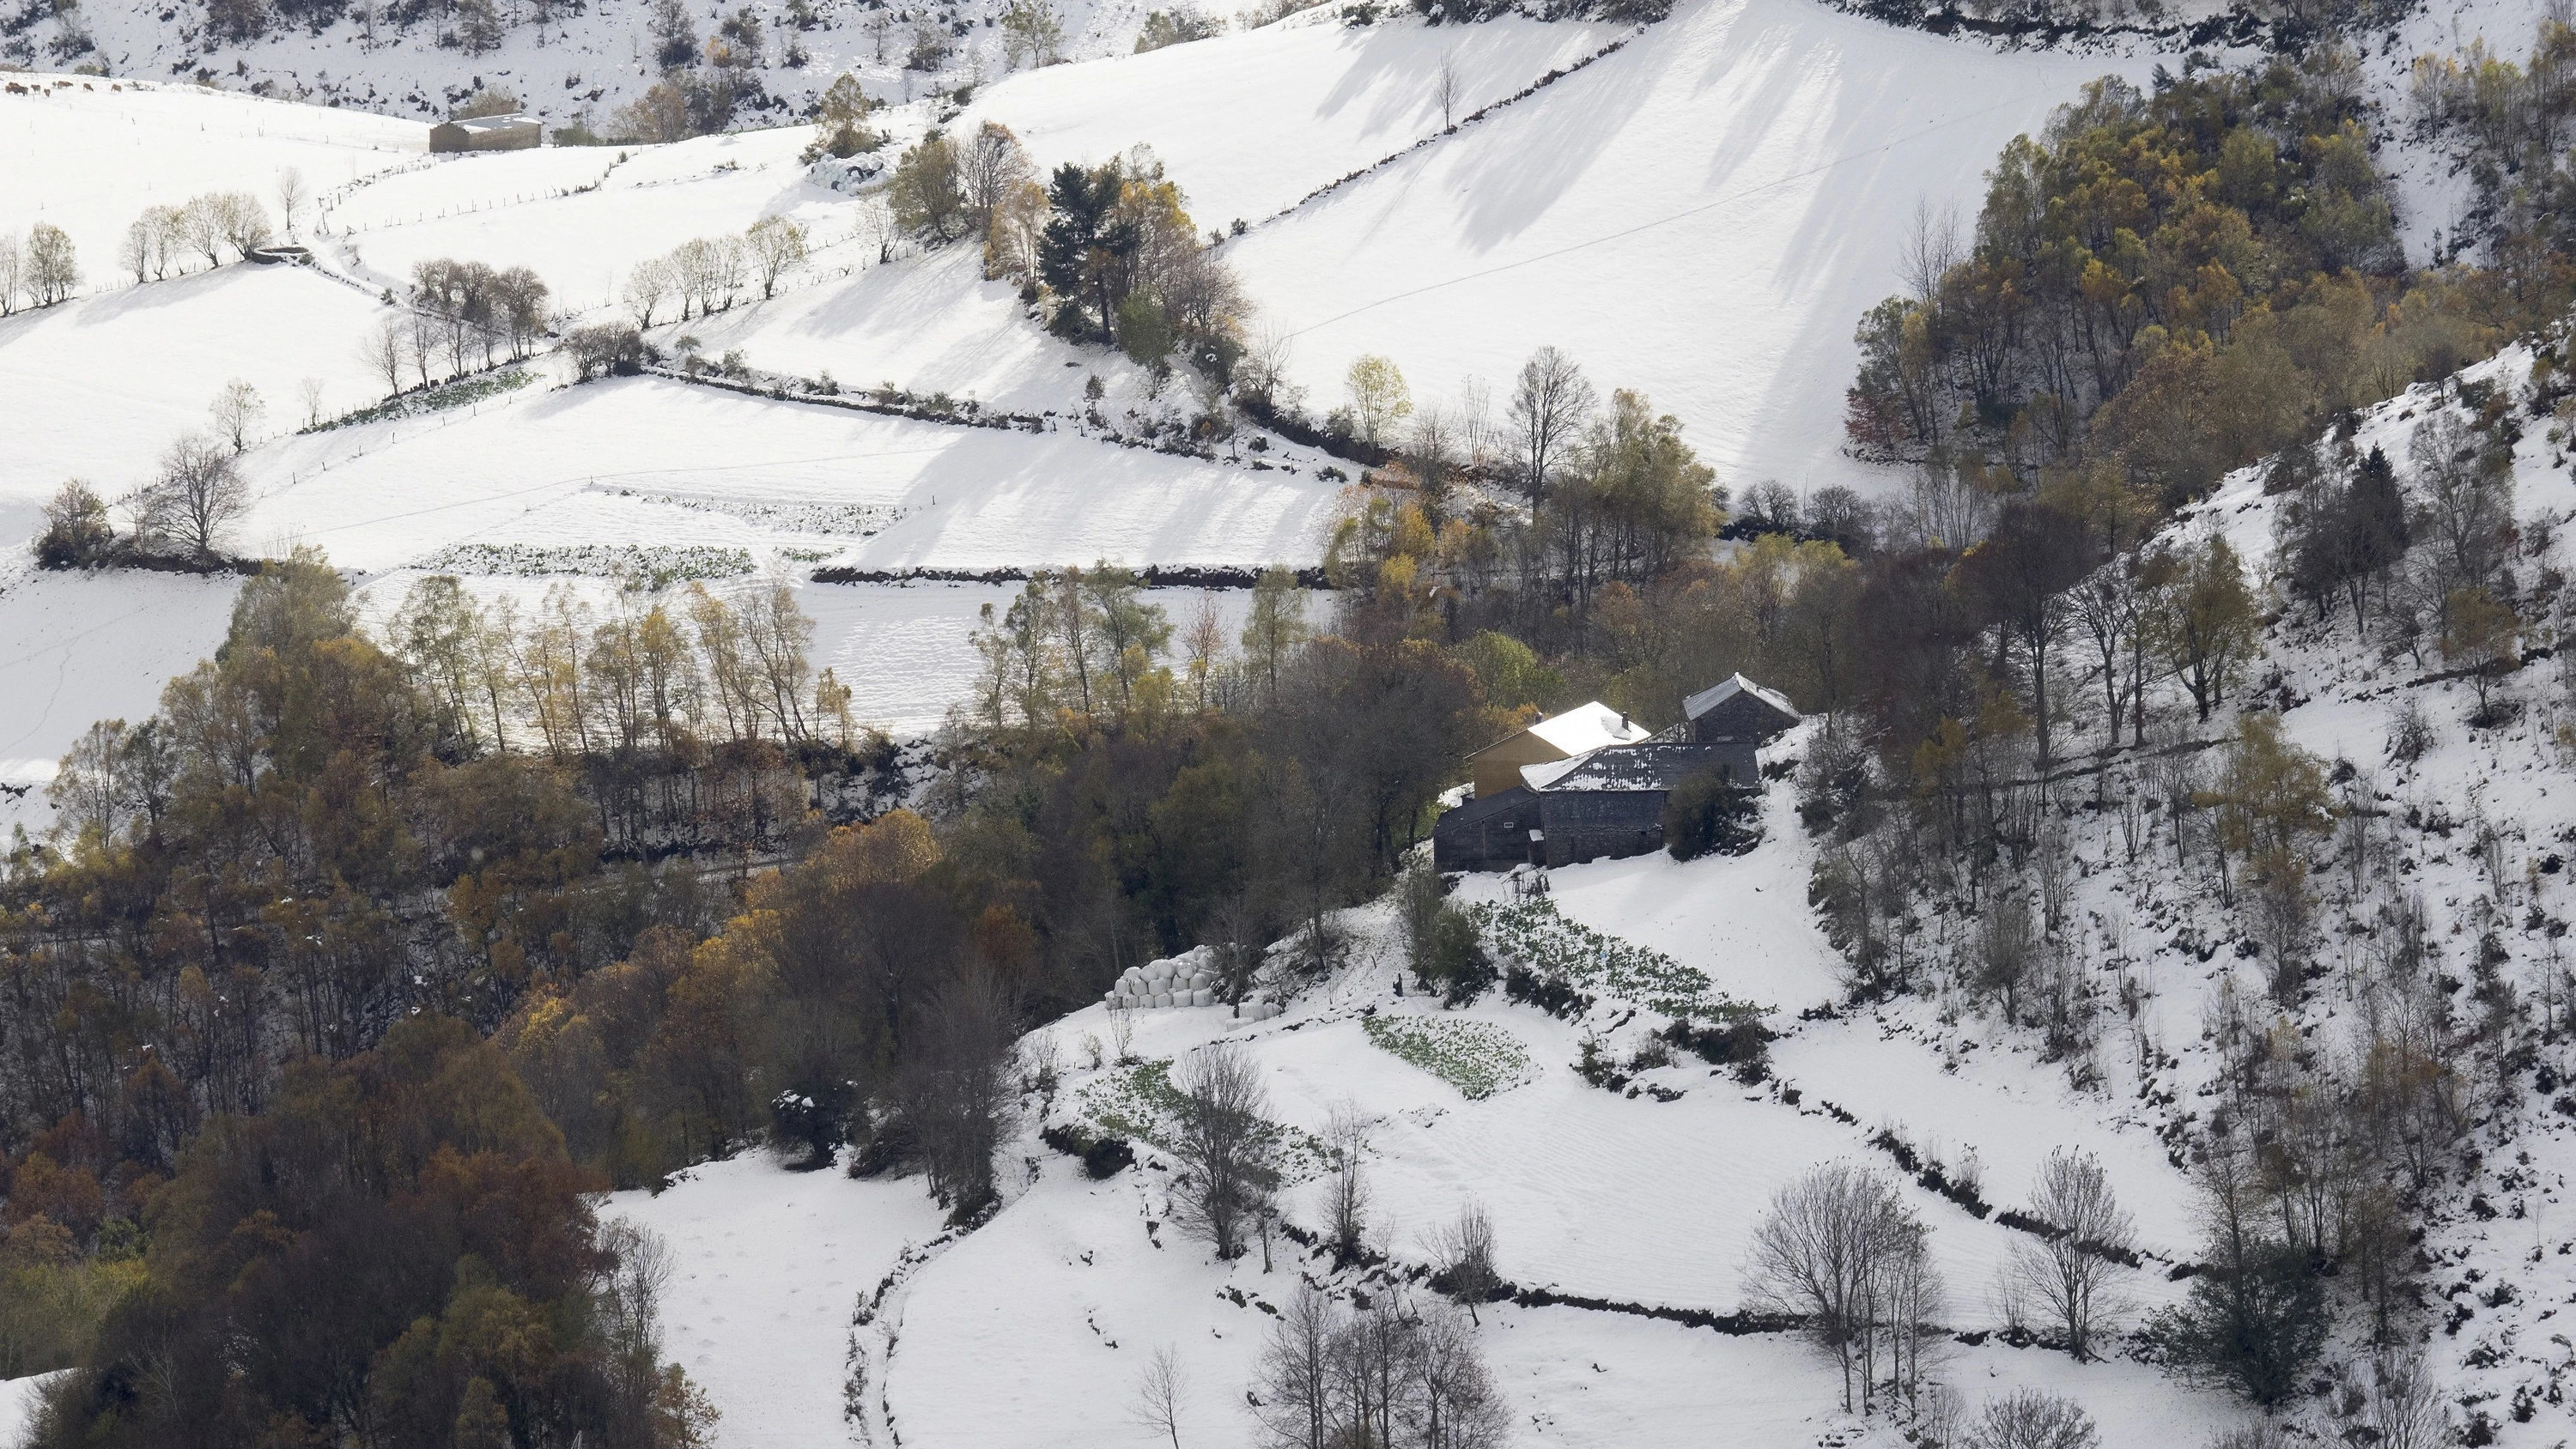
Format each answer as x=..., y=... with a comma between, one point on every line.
x=1623, y=721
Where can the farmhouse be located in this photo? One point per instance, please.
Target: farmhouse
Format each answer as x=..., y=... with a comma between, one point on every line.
x=1568, y=736
x=512, y=132
x=1608, y=801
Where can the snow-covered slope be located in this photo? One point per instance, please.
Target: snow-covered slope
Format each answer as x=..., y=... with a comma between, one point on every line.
x=1703, y=216
x=1247, y=123
x=1031, y=1330
x=87, y=154
x=98, y=387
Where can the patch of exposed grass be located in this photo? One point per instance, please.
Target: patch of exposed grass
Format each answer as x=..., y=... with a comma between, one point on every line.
x=1477, y=1057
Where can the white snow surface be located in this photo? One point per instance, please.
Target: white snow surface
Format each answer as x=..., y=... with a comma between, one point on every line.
x=18, y=1406
x=1248, y=123
x=87, y=647
x=100, y=386
x=646, y=460
x=769, y=1262
x=88, y=154
x=1702, y=217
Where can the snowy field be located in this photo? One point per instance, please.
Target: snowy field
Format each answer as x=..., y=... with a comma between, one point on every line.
x=100, y=386
x=769, y=1262
x=1703, y=217
x=88, y=154
x=1031, y=1330
x=76, y=648
x=648, y=461
x=18, y=1406
x=582, y=217
x=1247, y=123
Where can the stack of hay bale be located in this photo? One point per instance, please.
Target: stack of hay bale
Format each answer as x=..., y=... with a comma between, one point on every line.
x=1188, y=979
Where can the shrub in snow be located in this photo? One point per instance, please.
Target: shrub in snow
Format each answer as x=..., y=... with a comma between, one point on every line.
x=1744, y=1044
x=2032, y=1419
x=2256, y=1315
x=1464, y=1250
x=77, y=532
x=1710, y=814
x=1102, y=1156
x=606, y=349
x=813, y=1117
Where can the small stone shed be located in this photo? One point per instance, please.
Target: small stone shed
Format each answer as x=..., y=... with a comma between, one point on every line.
x=514, y=132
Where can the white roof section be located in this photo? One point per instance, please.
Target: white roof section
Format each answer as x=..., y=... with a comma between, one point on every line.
x=1734, y=684
x=511, y=122
x=1539, y=777
x=1588, y=727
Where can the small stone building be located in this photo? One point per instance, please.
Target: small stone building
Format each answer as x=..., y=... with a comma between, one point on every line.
x=512, y=132
x=1737, y=711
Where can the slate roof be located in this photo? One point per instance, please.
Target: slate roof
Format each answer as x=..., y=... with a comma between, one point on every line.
x=514, y=121
x=1638, y=767
x=1733, y=685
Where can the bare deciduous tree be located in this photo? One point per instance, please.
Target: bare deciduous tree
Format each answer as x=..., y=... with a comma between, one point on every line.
x=955, y=1089
x=53, y=265
x=237, y=410
x=1226, y=1146
x=195, y=500
x=291, y=197
x=777, y=247
x=1160, y=1388
x=13, y=273
x=1841, y=1250
x=1294, y=1393
x=1385, y=1376
x=1444, y=90
x=646, y=288
x=2032, y=1419
x=381, y=350
x=2406, y=1405
x=2074, y=1275
x=1347, y=1199
x=1464, y=1250
x=1931, y=248
x=1550, y=404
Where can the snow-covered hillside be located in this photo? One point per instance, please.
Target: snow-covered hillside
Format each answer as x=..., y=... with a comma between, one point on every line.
x=1698, y=209
x=1031, y=1329
x=1609, y=1201
x=1701, y=217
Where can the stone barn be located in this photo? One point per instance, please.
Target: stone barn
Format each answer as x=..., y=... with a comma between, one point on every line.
x=487, y=133
x=1608, y=801
x=1737, y=711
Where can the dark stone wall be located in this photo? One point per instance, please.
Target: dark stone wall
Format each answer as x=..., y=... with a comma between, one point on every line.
x=1489, y=834
x=1594, y=825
